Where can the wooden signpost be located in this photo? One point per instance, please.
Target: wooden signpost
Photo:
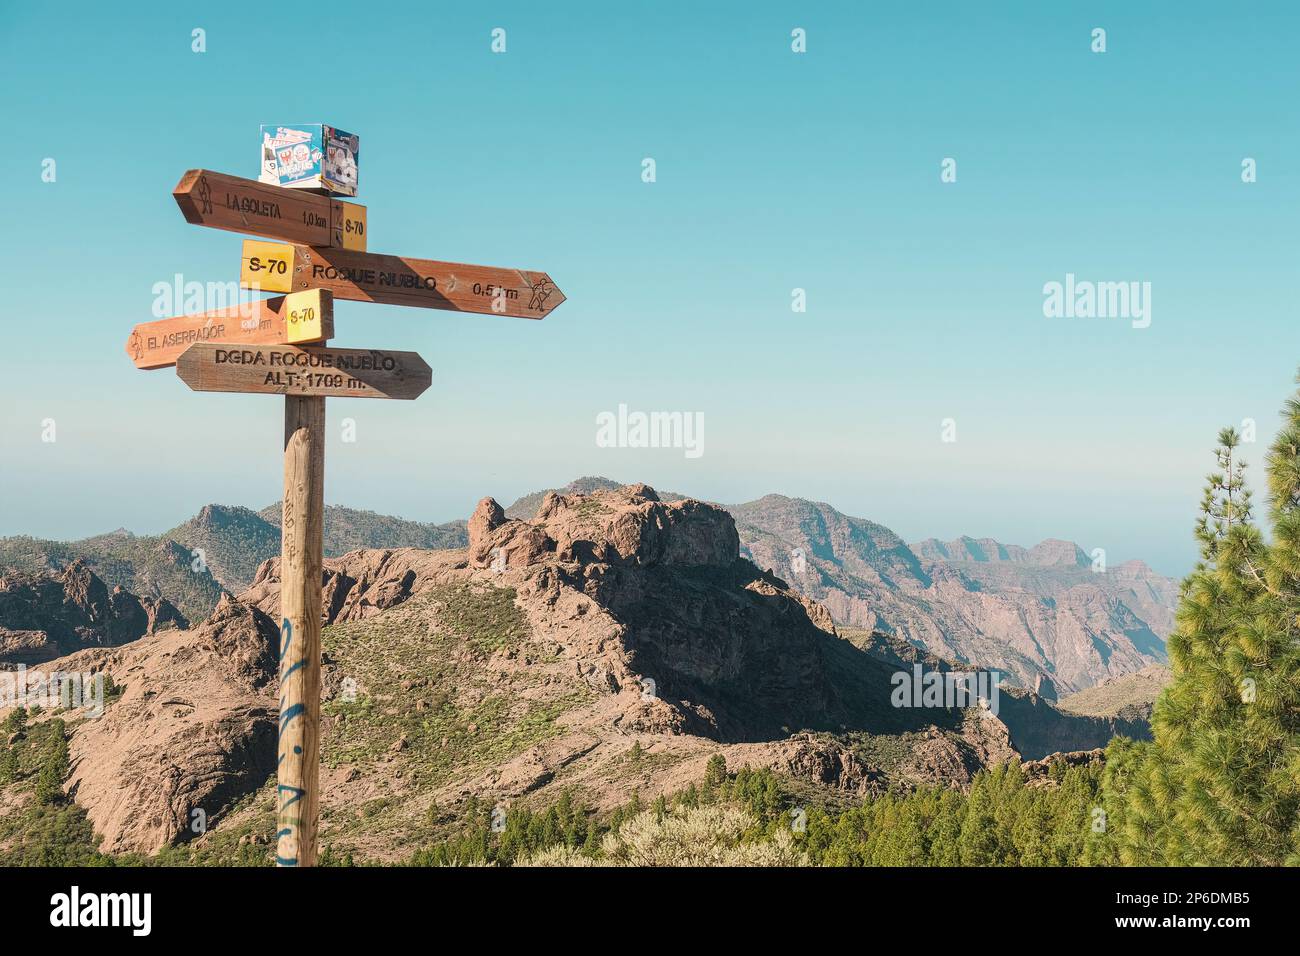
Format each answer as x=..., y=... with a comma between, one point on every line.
x=245, y=205
x=257, y=347
x=398, y=280
x=299, y=317
x=295, y=370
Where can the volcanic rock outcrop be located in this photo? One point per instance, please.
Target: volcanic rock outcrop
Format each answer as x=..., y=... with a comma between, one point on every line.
x=194, y=729
x=1049, y=612
x=655, y=597
x=49, y=614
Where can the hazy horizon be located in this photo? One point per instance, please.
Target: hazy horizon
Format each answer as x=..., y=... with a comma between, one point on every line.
x=506, y=500
x=776, y=172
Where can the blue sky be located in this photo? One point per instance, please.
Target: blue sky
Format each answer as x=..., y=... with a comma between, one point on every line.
x=775, y=170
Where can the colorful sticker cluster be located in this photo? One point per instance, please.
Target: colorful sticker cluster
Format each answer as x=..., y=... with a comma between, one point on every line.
x=311, y=156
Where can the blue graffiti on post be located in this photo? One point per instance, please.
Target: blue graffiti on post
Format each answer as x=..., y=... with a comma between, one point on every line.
x=288, y=847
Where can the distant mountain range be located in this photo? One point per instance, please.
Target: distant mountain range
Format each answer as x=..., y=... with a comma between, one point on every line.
x=1040, y=614
x=347, y=529
x=155, y=566
x=232, y=540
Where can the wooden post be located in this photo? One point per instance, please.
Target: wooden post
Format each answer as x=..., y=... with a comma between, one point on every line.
x=298, y=789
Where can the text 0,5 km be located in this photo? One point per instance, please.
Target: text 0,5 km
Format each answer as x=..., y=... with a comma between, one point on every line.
x=498, y=291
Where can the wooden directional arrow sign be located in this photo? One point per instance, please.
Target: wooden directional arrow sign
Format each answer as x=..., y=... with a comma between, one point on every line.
x=299, y=371
x=244, y=205
x=300, y=317
x=397, y=280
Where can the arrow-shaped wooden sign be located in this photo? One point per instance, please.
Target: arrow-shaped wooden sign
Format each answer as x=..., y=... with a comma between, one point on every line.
x=295, y=318
x=245, y=205
x=291, y=370
x=398, y=280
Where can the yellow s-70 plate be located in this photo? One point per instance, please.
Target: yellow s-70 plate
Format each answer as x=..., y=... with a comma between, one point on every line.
x=267, y=266
x=349, y=226
x=306, y=318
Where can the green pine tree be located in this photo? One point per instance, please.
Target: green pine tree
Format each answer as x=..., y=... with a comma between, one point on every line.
x=1220, y=782
x=16, y=723
x=54, y=764
x=715, y=771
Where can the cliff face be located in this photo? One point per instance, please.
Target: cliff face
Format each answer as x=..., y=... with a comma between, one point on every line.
x=1038, y=729
x=1042, y=615
x=1035, y=613
x=194, y=729
x=48, y=614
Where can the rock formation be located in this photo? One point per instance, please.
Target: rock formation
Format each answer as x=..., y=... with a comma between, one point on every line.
x=194, y=729
x=48, y=614
x=1035, y=613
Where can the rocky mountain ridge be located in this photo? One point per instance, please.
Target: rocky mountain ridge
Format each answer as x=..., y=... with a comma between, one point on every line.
x=1043, y=614
x=611, y=646
x=216, y=552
